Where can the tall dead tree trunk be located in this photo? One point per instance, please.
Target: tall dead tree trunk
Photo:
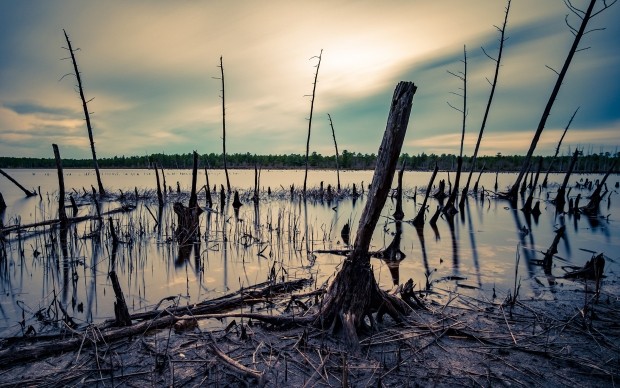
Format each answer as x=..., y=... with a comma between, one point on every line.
x=585, y=18
x=557, y=150
x=354, y=293
x=86, y=114
x=450, y=209
x=331, y=124
x=221, y=66
x=316, y=74
x=497, y=61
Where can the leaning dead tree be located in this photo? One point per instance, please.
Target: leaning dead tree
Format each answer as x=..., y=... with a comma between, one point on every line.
x=22, y=188
x=221, y=66
x=585, y=17
x=316, y=74
x=86, y=113
x=331, y=124
x=557, y=149
x=354, y=293
x=497, y=61
x=449, y=208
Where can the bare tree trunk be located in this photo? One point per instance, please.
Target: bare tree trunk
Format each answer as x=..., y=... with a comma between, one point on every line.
x=354, y=293
x=331, y=124
x=557, y=150
x=585, y=18
x=86, y=115
x=316, y=74
x=449, y=208
x=497, y=61
x=221, y=66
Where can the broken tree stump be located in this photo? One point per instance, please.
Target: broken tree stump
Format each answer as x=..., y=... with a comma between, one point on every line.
x=187, y=229
x=418, y=221
x=121, y=312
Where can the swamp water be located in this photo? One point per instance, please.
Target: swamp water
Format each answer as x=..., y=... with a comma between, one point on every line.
x=44, y=280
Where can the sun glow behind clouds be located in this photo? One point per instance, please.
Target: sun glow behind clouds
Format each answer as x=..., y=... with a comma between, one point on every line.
x=150, y=66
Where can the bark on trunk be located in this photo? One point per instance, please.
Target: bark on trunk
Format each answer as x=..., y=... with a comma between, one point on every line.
x=354, y=294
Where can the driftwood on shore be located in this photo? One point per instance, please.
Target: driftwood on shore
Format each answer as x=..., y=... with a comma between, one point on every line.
x=21, y=349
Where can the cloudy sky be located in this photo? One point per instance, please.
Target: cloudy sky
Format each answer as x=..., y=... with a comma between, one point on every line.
x=151, y=67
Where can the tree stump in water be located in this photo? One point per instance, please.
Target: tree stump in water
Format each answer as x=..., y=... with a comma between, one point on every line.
x=187, y=229
x=354, y=293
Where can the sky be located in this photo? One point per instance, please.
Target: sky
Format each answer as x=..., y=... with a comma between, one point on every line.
x=151, y=70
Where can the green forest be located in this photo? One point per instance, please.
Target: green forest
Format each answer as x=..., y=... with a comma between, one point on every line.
x=346, y=161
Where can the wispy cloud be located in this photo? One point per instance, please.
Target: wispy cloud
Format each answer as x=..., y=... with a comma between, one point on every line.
x=152, y=69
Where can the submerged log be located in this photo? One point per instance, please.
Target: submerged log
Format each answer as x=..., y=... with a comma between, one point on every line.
x=16, y=183
x=592, y=270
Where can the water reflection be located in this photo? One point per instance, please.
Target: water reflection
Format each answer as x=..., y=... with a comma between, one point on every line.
x=46, y=269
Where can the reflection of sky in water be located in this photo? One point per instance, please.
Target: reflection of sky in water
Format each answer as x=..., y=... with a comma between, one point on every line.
x=479, y=250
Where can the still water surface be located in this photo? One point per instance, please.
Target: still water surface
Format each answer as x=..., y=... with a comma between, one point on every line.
x=475, y=253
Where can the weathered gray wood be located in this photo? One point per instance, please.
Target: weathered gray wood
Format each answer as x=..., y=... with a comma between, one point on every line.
x=354, y=293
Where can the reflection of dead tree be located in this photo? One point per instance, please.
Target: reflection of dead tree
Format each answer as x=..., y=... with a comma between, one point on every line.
x=316, y=74
x=86, y=114
x=331, y=124
x=354, y=293
x=585, y=17
x=22, y=188
x=449, y=208
x=497, y=61
x=557, y=150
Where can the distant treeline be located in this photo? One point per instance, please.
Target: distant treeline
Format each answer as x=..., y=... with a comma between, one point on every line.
x=347, y=160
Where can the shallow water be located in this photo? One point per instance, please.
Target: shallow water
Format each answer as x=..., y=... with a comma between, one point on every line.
x=474, y=253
